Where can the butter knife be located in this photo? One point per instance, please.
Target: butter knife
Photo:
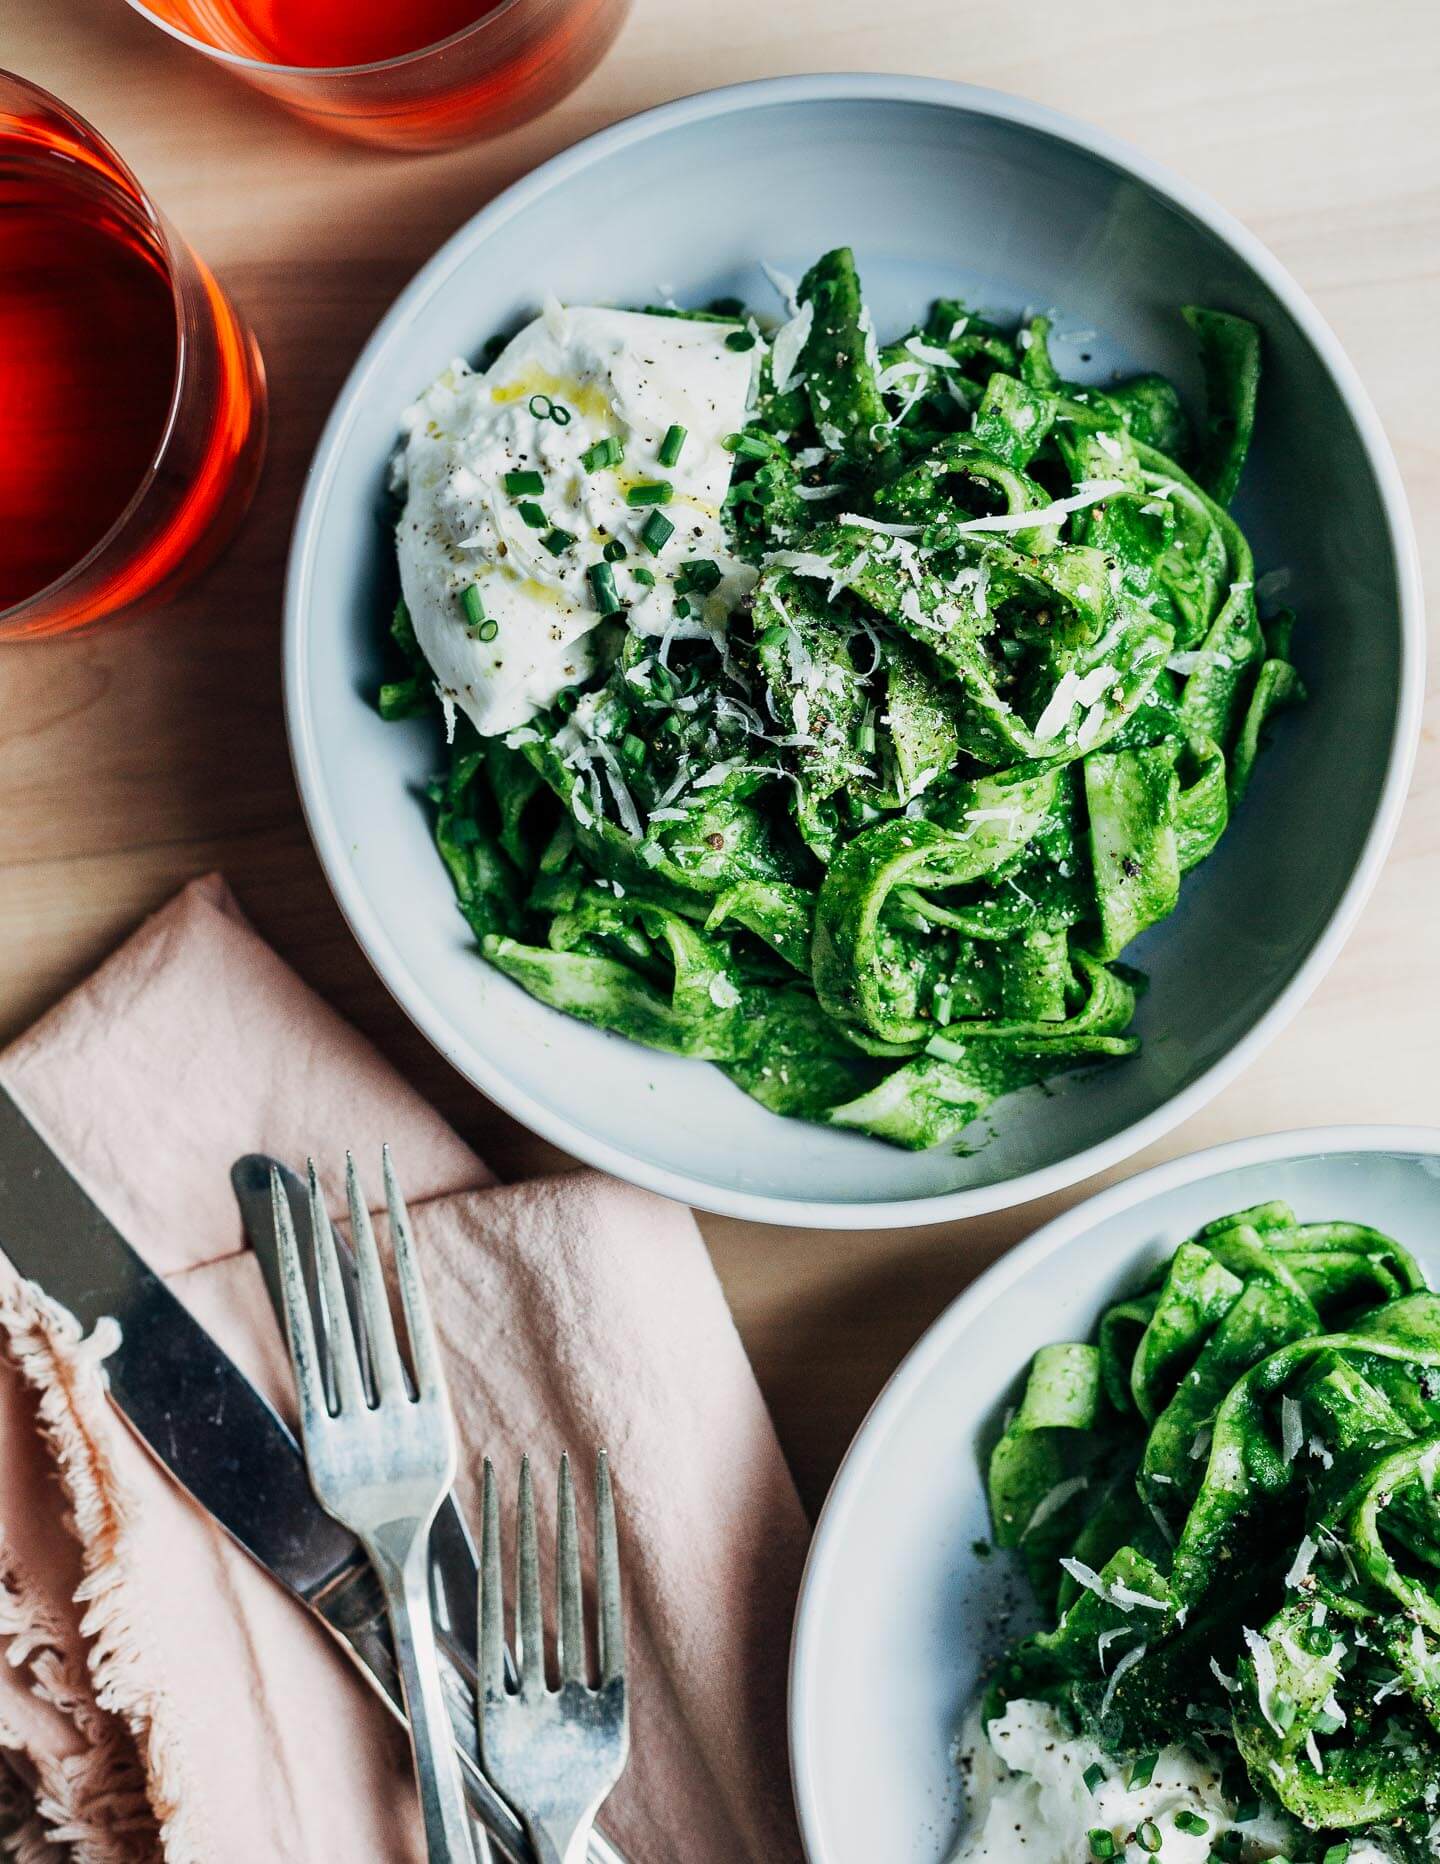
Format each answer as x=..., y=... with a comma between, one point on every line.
x=213, y=1431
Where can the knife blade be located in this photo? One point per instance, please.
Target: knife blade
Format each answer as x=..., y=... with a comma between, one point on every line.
x=213, y=1431
x=207, y=1423
x=452, y=1549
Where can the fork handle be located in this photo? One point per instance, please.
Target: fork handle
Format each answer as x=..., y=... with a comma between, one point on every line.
x=406, y=1583
x=355, y=1613
x=556, y=1848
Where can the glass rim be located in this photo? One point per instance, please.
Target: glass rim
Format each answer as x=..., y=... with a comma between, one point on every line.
x=243, y=61
x=167, y=242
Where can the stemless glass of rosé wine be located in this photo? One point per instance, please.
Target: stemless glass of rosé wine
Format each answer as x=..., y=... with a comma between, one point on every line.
x=132, y=398
x=407, y=74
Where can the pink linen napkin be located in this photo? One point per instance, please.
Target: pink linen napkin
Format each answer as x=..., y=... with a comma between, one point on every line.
x=160, y=1697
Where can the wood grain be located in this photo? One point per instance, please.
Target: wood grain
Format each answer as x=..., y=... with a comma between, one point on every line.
x=152, y=750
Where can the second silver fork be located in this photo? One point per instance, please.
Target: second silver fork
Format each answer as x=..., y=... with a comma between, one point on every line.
x=382, y=1470
x=553, y=1753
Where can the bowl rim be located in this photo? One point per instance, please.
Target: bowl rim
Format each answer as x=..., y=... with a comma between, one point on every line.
x=409, y=991
x=965, y=1311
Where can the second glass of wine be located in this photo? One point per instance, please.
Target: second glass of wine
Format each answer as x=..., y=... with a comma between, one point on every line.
x=420, y=74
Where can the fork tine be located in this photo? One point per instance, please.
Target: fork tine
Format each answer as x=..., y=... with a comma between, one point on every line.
x=424, y=1349
x=571, y=1635
x=529, y=1625
x=299, y=1324
x=492, y=1590
x=334, y=1315
x=374, y=1302
x=607, y=1577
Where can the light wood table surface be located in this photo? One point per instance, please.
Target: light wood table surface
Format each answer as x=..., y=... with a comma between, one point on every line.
x=152, y=750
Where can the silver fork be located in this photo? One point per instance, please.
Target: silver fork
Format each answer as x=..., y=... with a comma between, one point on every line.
x=382, y=1470
x=554, y=1753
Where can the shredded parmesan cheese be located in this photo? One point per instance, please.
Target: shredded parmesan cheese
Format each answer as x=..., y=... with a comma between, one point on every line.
x=1127, y=1662
x=1266, y=1681
x=1054, y=1500
x=1292, y=1431
x=1300, y=1565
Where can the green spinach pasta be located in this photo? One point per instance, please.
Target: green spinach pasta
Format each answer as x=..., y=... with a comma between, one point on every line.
x=1226, y=1504
x=868, y=734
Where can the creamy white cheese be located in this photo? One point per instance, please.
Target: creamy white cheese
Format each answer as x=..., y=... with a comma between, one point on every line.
x=615, y=373
x=1029, y=1803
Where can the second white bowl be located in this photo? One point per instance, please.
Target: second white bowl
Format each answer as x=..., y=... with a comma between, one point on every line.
x=897, y=1610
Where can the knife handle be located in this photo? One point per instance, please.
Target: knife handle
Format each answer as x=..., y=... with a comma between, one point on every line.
x=355, y=1613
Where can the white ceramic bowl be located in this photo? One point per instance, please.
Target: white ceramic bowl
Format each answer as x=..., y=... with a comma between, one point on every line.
x=940, y=188
x=896, y=1610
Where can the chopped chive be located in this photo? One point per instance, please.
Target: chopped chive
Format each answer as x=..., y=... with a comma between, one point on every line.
x=399, y=698
x=1191, y=1822
x=642, y=575
x=1337, y=1853
x=740, y=340
x=944, y=1049
x=614, y=551
x=521, y=484
x=474, y=608
x=650, y=492
x=560, y=414
x=488, y=629
x=671, y=445
x=607, y=452
x=632, y=749
x=698, y=574
x=558, y=541
x=1247, y=1810
x=865, y=736
x=942, y=1003
x=1142, y=1770
x=1093, y=1776
x=541, y=406
x=682, y=607
x=748, y=446
x=532, y=514
x=602, y=582
x=656, y=532
x=1147, y=1836
x=1102, y=1843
